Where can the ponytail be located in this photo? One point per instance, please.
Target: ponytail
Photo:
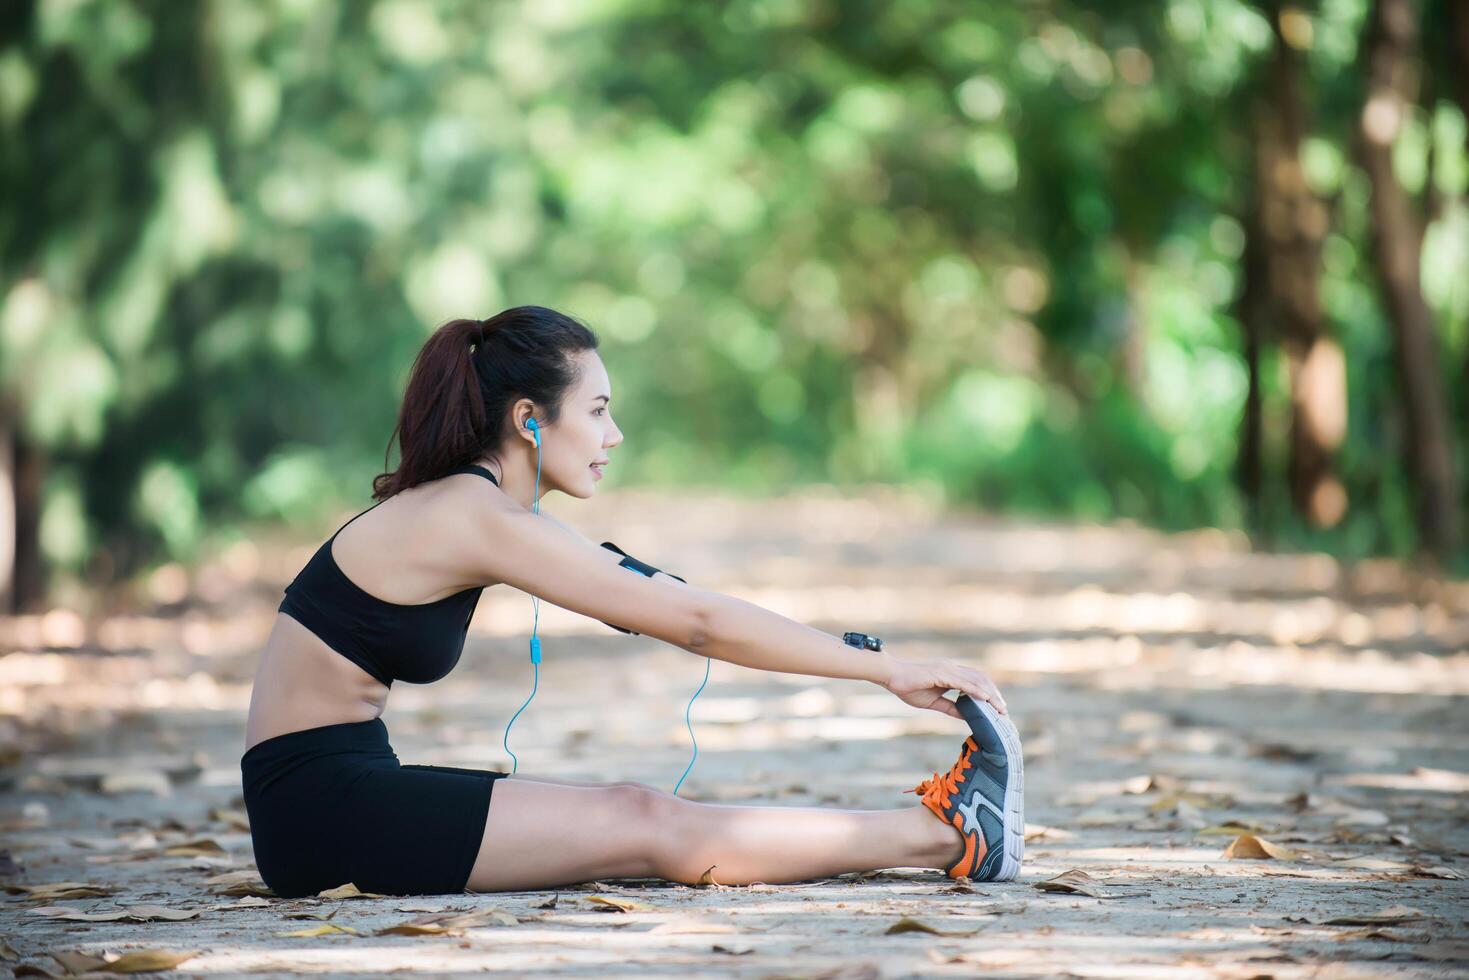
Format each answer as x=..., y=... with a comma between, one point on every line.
x=464, y=380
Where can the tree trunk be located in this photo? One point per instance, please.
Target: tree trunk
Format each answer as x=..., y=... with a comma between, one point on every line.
x=1252, y=312
x=1135, y=338
x=1459, y=52
x=1459, y=65
x=22, y=574
x=1293, y=223
x=1390, y=50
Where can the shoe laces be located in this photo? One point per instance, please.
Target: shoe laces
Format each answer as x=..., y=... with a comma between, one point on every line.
x=937, y=789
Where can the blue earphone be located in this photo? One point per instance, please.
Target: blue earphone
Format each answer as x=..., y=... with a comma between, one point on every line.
x=535, y=641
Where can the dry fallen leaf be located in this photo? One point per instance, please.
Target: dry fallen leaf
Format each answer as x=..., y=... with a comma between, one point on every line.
x=707, y=878
x=1035, y=831
x=325, y=929
x=906, y=924
x=428, y=907
x=247, y=889
x=1392, y=915
x=1253, y=847
x=1078, y=882
x=1388, y=935
x=1280, y=752
x=480, y=917
x=193, y=848
x=418, y=929
x=238, y=819
x=716, y=948
x=319, y=916
x=135, y=961
x=607, y=903
x=240, y=884
x=140, y=913
x=1436, y=872
x=349, y=890
x=62, y=889
x=1231, y=829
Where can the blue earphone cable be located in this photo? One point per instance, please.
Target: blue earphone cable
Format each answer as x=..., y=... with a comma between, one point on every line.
x=535, y=643
x=535, y=601
x=707, y=664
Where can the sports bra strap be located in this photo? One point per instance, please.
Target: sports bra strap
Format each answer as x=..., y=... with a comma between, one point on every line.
x=351, y=519
x=474, y=468
x=468, y=468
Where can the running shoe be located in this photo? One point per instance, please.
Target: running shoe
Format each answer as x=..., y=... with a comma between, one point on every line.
x=982, y=795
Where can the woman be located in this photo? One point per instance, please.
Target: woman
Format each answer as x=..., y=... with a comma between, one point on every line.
x=494, y=410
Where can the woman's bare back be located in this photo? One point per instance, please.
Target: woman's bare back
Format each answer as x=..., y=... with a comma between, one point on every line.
x=303, y=683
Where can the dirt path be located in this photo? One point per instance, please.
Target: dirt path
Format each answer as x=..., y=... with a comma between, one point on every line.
x=1173, y=694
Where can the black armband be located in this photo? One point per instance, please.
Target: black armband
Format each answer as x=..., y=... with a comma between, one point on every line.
x=642, y=568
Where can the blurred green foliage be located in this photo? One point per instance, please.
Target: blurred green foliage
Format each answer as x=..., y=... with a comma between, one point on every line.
x=820, y=241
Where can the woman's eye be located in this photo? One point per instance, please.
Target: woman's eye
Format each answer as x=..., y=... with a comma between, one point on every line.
x=599, y=410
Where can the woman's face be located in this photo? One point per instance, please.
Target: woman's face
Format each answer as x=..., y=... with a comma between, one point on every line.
x=575, y=447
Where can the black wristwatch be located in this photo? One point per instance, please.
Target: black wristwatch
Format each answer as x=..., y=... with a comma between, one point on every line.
x=862, y=641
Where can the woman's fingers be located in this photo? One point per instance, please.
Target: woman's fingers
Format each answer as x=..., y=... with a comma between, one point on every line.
x=978, y=685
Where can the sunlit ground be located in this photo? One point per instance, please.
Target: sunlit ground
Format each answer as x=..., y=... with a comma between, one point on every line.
x=1182, y=703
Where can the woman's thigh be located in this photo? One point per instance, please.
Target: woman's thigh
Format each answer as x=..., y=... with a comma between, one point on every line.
x=540, y=834
x=571, y=782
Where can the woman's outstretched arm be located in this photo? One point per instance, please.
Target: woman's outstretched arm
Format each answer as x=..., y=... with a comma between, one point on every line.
x=515, y=546
x=741, y=632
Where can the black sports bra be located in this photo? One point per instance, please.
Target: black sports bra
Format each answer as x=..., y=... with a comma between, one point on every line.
x=417, y=643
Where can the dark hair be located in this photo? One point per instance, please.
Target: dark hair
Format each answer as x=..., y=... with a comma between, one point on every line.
x=464, y=380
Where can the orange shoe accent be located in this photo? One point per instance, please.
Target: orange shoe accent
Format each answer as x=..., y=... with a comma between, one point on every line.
x=937, y=790
x=962, y=868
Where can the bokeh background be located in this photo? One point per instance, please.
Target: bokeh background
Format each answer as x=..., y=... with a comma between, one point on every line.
x=1182, y=262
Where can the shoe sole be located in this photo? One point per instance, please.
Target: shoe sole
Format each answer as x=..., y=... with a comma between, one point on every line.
x=1014, y=804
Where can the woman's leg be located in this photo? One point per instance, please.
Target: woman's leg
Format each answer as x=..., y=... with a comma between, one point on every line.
x=539, y=835
x=538, y=779
x=566, y=782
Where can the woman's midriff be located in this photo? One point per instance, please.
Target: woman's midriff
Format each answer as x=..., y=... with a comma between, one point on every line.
x=303, y=683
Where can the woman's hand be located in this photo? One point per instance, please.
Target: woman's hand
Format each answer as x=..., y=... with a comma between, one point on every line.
x=923, y=683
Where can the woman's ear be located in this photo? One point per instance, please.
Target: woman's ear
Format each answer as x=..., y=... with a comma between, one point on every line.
x=524, y=410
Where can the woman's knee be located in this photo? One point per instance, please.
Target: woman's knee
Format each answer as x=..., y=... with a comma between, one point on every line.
x=671, y=826
x=620, y=831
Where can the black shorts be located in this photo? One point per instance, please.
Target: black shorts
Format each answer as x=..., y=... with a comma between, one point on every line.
x=333, y=804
